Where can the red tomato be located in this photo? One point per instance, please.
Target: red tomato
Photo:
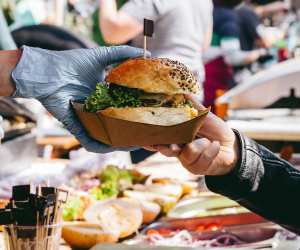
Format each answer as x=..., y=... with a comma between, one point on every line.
x=152, y=232
x=200, y=228
x=165, y=231
x=212, y=227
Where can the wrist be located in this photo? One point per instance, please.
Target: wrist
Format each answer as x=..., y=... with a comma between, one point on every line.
x=236, y=154
x=235, y=151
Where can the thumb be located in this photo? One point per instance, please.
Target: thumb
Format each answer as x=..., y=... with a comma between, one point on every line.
x=213, y=126
x=117, y=54
x=196, y=102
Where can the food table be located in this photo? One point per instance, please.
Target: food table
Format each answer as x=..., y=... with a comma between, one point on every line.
x=270, y=127
x=277, y=129
x=158, y=167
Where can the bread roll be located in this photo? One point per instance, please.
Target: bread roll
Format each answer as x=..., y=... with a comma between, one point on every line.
x=85, y=235
x=150, y=211
x=155, y=116
x=154, y=75
x=160, y=199
x=119, y=216
x=173, y=190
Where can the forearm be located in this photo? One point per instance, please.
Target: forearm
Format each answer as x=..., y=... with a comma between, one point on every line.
x=271, y=8
x=263, y=183
x=108, y=9
x=117, y=27
x=8, y=61
x=239, y=57
x=234, y=55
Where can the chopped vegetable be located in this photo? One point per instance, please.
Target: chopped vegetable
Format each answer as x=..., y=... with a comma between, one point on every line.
x=105, y=190
x=113, y=180
x=99, y=100
x=152, y=232
x=71, y=208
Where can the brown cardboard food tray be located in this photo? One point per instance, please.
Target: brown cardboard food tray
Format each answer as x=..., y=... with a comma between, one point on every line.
x=121, y=133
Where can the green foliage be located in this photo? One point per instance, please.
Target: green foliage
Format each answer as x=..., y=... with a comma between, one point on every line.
x=113, y=180
x=99, y=100
x=105, y=190
x=125, y=97
x=71, y=209
x=112, y=96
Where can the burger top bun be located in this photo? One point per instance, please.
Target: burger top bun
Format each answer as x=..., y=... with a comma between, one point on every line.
x=155, y=75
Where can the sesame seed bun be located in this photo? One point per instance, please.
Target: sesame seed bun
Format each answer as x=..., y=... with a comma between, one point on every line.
x=155, y=75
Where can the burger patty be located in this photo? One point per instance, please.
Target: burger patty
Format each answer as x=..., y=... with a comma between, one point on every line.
x=161, y=100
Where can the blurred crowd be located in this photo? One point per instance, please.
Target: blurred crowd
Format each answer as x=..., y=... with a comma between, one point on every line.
x=221, y=41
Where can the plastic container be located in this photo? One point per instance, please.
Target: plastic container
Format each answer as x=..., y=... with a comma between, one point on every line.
x=32, y=237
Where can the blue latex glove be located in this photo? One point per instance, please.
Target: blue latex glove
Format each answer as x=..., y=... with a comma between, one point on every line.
x=1, y=129
x=57, y=77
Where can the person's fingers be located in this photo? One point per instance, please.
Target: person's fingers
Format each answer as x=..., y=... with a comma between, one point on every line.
x=117, y=54
x=191, y=152
x=1, y=129
x=204, y=162
x=175, y=148
x=167, y=150
x=213, y=127
x=196, y=102
x=150, y=148
x=205, y=159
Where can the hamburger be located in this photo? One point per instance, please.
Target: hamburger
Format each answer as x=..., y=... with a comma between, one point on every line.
x=150, y=91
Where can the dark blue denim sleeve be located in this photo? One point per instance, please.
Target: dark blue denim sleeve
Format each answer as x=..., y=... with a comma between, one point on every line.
x=263, y=183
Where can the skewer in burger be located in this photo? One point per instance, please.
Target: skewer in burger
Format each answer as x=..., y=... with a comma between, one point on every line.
x=150, y=91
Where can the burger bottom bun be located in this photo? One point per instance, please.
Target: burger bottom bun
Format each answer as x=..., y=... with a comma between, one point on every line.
x=171, y=189
x=155, y=116
x=121, y=216
x=85, y=235
x=150, y=211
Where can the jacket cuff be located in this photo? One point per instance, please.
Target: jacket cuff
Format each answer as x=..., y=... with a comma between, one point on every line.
x=245, y=177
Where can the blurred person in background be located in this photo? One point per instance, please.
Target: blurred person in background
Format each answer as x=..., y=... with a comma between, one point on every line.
x=254, y=34
x=252, y=31
x=97, y=33
x=182, y=28
x=225, y=51
x=266, y=8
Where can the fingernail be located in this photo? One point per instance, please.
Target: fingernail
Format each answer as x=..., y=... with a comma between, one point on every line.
x=174, y=147
x=216, y=143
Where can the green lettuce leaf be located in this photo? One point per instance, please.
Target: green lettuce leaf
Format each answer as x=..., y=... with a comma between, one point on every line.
x=112, y=96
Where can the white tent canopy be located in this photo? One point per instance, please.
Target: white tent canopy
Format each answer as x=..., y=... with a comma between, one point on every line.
x=265, y=87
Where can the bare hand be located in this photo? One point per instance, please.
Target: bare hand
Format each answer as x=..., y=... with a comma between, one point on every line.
x=214, y=152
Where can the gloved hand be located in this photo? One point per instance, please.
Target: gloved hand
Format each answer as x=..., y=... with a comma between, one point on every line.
x=57, y=77
x=1, y=129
